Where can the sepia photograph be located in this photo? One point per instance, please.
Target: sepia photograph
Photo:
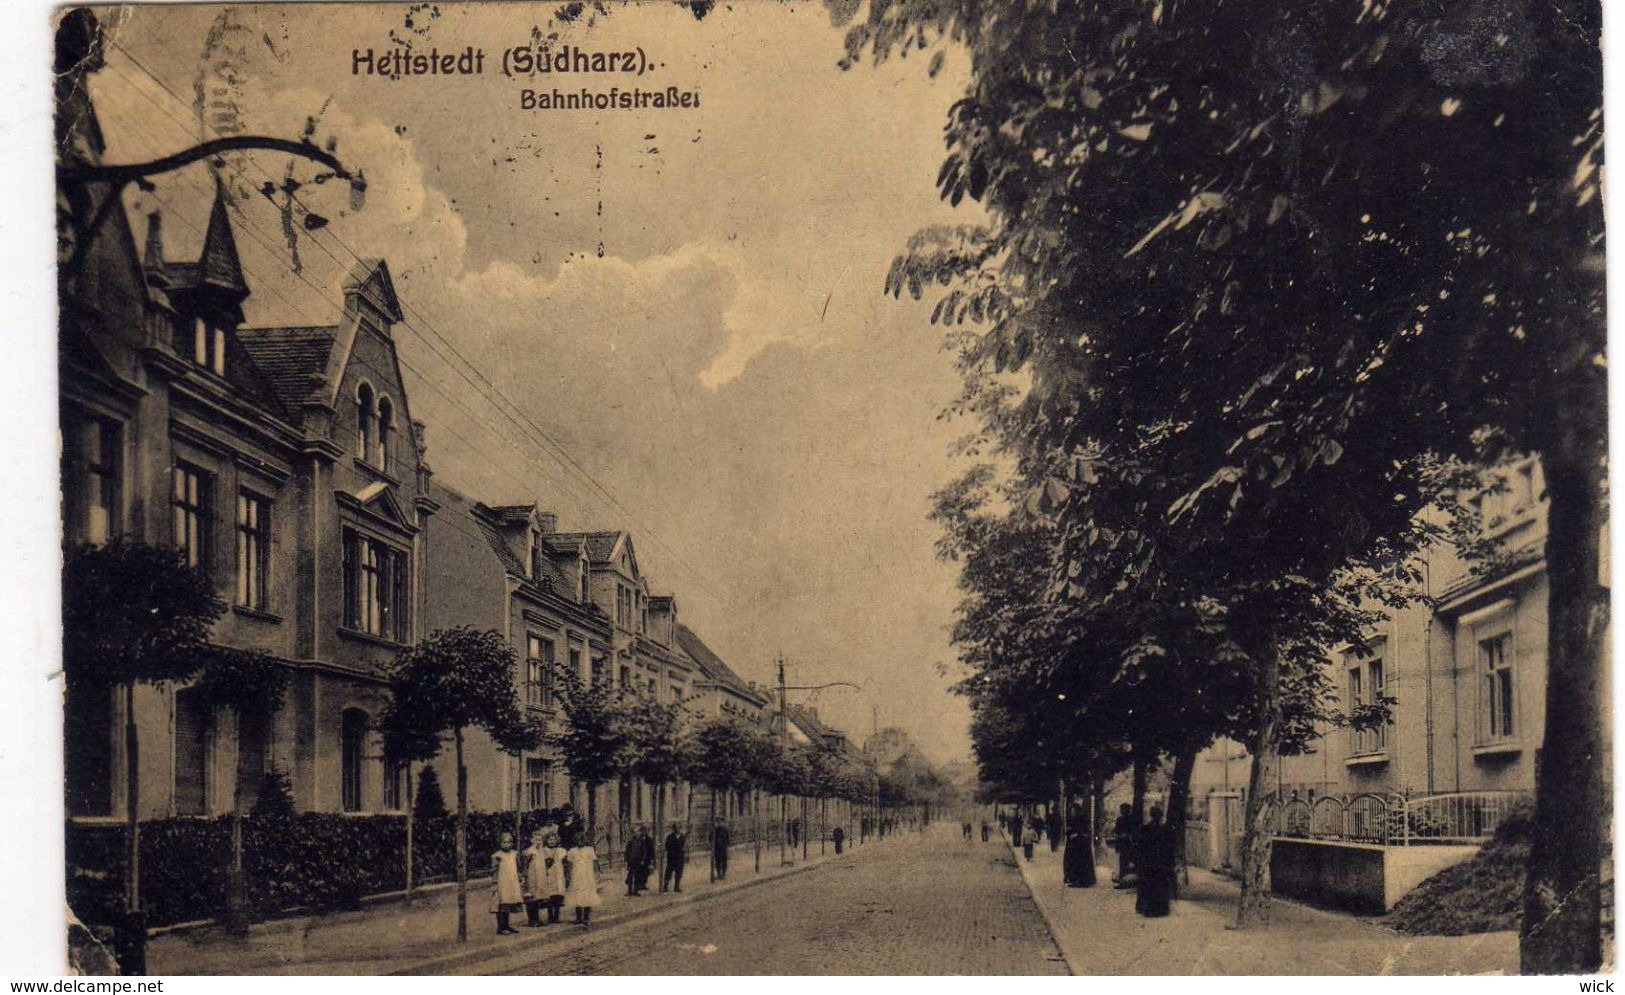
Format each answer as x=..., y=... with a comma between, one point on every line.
x=833, y=487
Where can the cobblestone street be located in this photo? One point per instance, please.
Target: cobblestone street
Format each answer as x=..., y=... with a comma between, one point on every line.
x=914, y=904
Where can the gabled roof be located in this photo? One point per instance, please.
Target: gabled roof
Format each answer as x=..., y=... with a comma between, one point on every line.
x=293, y=360
x=370, y=278
x=601, y=546
x=712, y=666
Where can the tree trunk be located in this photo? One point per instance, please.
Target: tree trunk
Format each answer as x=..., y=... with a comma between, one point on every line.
x=1253, y=905
x=410, y=818
x=711, y=834
x=132, y=881
x=756, y=824
x=801, y=830
x=1179, y=793
x=462, y=841
x=1562, y=902
x=660, y=832
x=823, y=810
x=236, y=886
x=592, y=813
x=784, y=833
x=1142, y=775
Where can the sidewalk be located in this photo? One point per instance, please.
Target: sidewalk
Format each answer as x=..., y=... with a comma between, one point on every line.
x=419, y=935
x=1099, y=933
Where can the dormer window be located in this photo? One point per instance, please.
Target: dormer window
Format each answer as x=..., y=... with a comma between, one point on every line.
x=535, y=556
x=209, y=346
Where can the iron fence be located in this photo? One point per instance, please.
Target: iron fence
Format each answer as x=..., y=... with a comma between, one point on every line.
x=1395, y=819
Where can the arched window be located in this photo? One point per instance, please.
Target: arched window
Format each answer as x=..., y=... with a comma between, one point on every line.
x=386, y=422
x=352, y=756
x=364, y=414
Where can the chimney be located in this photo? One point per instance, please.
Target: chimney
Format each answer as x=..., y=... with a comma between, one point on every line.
x=152, y=261
x=547, y=521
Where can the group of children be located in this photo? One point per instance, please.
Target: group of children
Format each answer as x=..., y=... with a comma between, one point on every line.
x=547, y=876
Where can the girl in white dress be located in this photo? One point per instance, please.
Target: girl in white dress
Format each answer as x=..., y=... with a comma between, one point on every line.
x=530, y=877
x=507, y=897
x=582, y=889
x=552, y=884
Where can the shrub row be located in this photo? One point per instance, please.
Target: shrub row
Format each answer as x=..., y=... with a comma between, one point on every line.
x=308, y=861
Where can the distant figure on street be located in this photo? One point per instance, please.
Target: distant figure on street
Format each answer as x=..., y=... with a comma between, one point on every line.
x=1123, y=834
x=986, y=831
x=676, y=859
x=582, y=891
x=964, y=829
x=531, y=878
x=507, y=896
x=839, y=835
x=1014, y=826
x=1029, y=840
x=720, y=840
x=1154, y=855
x=571, y=829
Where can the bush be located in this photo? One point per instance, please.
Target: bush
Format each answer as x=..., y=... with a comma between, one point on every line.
x=275, y=799
x=430, y=802
x=1483, y=894
x=308, y=861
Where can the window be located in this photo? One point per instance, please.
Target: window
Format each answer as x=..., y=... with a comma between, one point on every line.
x=538, y=783
x=626, y=676
x=375, y=587
x=91, y=480
x=209, y=346
x=253, y=548
x=191, y=514
x=364, y=414
x=191, y=754
x=586, y=577
x=575, y=663
x=534, y=558
x=352, y=754
x=1496, y=710
x=1366, y=690
x=539, y=685
x=386, y=423
x=395, y=786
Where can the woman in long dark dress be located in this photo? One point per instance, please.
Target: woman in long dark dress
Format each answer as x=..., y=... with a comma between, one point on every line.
x=1155, y=859
x=1078, y=860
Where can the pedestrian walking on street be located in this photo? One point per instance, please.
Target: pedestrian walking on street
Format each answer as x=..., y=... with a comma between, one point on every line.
x=640, y=858
x=676, y=859
x=1029, y=840
x=1154, y=856
x=551, y=887
x=720, y=839
x=987, y=831
x=507, y=896
x=1014, y=825
x=839, y=835
x=1123, y=839
x=581, y=891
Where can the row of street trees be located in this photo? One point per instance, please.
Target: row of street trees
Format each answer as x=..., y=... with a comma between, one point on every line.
x=1271, y=279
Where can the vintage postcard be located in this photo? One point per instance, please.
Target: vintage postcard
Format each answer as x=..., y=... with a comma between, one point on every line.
x=844, y=487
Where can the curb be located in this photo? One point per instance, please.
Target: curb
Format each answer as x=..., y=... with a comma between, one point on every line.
x=449, y=962
x=1068, y=957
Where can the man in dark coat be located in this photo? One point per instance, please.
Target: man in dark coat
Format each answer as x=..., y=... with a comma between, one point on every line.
x=720, y=841
x=986, y=832
x=1123, y=834
x=839, y=836
x=1154, y=853
x=1015, y=828
x=676, y=858
x=640, y=857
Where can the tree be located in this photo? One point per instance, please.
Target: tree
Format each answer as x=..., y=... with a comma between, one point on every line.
x=1282, y=231
x=721, y=752
x=453, y=680
x=593, y=740
x=251, y=685
x=654, y=733
x=133, y=614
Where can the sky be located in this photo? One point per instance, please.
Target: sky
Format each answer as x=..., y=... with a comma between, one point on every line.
x=666, y=321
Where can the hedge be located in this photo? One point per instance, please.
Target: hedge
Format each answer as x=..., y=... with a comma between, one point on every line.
x=311, y=861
